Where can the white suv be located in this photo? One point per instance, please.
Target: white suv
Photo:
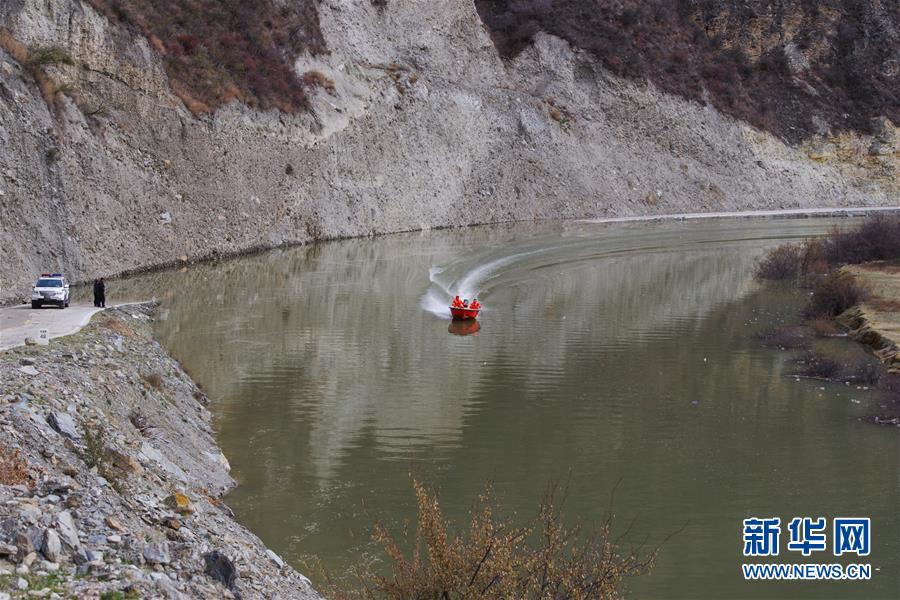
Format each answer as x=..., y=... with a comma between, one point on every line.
x=50, y=289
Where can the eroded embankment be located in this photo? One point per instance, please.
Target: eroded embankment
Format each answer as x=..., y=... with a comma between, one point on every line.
x=110, y=478
x=876, y=322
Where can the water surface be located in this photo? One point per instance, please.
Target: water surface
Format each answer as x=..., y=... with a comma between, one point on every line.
x=607, y=353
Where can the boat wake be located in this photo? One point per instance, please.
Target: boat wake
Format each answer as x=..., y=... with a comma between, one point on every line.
x=474, y=282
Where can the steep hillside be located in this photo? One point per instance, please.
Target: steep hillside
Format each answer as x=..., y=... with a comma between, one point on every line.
x=135, y=134
x=796, y=68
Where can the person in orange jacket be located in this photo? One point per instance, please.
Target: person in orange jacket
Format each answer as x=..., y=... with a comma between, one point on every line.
x=475, y=304
x=456, y=302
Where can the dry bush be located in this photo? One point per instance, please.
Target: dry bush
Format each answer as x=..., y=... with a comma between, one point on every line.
x=153, y=380
x=118, y=326
x=494, y=558
x=700, y=51
x=13, y=47
x=218, y=50
x=834, y=294
x=782, y=262
x=13, y=468
x=815, y=262
x=51, y=55
x=878, y=238
x=314, y=78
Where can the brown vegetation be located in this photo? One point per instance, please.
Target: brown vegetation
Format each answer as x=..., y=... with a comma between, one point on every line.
x=118, y=326
x=731, y=54
x=834, y=294
x=781, y=263
x=220, y=50
x=153, y=380
x=497, y=559
x=876, y=239
x=13, y=468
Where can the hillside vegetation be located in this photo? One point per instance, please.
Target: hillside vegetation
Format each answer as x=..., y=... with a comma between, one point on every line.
x=218, y=50
x=792, y=68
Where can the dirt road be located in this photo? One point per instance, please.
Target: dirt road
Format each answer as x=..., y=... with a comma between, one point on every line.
x=19, y=322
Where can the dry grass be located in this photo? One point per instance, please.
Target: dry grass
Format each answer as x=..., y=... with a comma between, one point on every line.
x=216, y=51
x=318, y=79
x=152, y=380
x=13, y=468
x=118, y=326
x=495, y=558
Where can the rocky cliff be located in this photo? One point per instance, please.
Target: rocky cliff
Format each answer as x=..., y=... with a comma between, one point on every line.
x=142, y=134
x=111, y=481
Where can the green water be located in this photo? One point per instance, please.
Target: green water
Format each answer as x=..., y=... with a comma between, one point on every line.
x=606, y=353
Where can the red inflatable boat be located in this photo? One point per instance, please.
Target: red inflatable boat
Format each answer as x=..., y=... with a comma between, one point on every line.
x=464, y=314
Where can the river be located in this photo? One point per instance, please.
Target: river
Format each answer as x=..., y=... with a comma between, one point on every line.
x=607, y=355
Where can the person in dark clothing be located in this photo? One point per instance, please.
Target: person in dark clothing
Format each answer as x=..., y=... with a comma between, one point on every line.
x=101, y=286
x=97, y=293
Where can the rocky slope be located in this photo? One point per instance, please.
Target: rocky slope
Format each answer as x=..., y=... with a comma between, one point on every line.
x=409, y=118
x=110, y=479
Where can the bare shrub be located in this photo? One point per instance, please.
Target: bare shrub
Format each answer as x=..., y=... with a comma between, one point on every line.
x=52, y=55
x=215, y=51
x=153, y=380
x=815, y=262
x=878, y=238
x=834, y=294
x=315, y=78
x=697, y=50
x=13, y=468
x=118, y=326
x=782, y=262
x=544, y=558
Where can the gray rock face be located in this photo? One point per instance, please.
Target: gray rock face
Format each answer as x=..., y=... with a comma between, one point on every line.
x=51, y=547
x=64, y=425
x=220, y=568
x=68, y=533
x=157, y=554
x=28, y=370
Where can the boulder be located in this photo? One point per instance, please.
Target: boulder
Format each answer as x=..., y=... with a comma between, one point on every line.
x=63, y=423
x=51, y=547
x=220, y=568
x=68, y=533
x=180, y=503
x=157, y=554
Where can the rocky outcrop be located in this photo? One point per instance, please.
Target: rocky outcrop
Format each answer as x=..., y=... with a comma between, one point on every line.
x=110, y=480
x=417, y=122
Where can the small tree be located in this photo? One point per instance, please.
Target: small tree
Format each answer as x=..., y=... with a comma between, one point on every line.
x=494, y=558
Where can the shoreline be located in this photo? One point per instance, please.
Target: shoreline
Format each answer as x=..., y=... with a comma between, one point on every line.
x=262, y=248
x=111, y=478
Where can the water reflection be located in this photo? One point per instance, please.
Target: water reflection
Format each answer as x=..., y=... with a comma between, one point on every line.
x=470, y=327
x=608, y=352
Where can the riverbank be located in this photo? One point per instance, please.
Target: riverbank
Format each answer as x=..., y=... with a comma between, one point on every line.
x=111, y=479
x=422, y=126
x=876, y=322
